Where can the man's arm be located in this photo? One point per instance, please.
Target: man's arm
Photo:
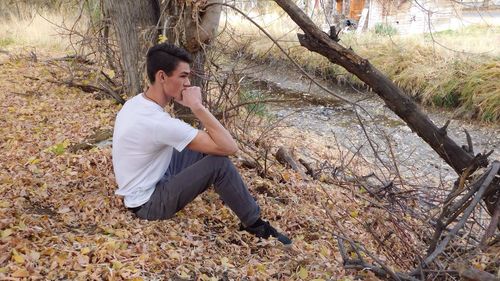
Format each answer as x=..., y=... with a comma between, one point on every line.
x=216, y=140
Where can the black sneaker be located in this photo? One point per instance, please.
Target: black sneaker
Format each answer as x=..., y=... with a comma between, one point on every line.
x=265, y=230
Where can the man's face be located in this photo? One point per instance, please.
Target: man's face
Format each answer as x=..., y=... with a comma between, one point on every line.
x=175, y=83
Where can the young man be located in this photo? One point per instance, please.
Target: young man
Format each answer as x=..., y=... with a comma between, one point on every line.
x=161, y=163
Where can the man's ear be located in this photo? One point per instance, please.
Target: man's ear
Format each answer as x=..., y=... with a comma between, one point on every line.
x=160, y=75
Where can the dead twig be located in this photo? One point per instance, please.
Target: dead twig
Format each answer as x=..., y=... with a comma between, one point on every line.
x=484, y=183
x=88, y=88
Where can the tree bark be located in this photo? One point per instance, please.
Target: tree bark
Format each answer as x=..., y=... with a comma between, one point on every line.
x=317, y=41
x=134, y=22
x=200, y=27
x=200, y=30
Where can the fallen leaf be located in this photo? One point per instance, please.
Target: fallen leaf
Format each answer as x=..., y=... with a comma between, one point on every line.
x=17, y=257
x=84, y=260
x=63, y=210
x=4, y=204
x=225, y=262
x=6, y=233
x=354, y=214
x=20, y=273
x=303, y=273
x=85, y=250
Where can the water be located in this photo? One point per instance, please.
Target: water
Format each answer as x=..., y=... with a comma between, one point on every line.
x=415, y=158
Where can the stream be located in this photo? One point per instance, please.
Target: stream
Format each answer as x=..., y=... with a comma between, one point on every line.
x=338, y=121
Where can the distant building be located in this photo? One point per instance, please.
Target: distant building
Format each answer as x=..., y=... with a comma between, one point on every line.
x=419, y=16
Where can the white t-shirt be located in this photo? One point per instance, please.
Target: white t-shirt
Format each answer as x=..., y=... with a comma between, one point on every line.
x=143, y=142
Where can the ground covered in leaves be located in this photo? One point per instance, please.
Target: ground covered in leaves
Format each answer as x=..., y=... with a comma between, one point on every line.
x=60, y=219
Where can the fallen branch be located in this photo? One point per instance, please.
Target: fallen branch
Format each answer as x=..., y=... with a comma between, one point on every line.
x=73, y=58
x=473, y=274
x=309, y=169
x=484, y=184
x=284, y=157
x=88, y=88
x=490, y=230
x=382, y=271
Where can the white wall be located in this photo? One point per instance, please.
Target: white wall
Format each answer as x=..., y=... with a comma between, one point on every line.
x=419, y=17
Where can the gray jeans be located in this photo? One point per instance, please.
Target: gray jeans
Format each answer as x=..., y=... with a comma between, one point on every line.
x=189, y=174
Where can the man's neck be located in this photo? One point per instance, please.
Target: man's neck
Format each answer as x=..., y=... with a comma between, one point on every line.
x=156, y=96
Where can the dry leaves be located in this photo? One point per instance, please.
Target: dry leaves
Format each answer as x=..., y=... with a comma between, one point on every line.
x=60, y=219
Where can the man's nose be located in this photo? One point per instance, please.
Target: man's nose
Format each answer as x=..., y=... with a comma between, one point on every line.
x=187, y=83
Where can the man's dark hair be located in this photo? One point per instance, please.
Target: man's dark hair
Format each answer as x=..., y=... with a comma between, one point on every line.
x=166, y=57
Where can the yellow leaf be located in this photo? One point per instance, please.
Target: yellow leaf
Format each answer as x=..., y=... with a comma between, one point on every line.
x=85, y=250
x=6, y=233
x=324, y=251
x=109, y=72
x=117, y=265
x=112, y=245
x=162, y=38
x=20, y=273
x=303, y=273
x=108, y=230
x=121, y=233
x=286, y=176
x=22, y=226
x=33, y=160
x=4, y=204
x=225, y=262
x=323, y=178
x=17, y=257
x=184, y=275
x=61, y=259
x=260, y=267
x=354, y=214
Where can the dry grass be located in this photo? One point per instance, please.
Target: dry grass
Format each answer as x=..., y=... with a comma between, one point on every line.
x=452, y=69
x=40, y=31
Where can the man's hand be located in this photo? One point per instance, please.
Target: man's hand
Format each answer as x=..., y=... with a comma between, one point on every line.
x=216, y=140
x=191, y=97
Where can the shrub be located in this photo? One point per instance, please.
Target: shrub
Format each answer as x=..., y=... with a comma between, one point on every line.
x=385, y=29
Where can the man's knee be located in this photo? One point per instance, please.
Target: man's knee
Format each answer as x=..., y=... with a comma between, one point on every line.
x=220, y=161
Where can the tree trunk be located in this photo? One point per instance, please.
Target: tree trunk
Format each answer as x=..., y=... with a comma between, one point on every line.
x=134, y=22
x=200, y=26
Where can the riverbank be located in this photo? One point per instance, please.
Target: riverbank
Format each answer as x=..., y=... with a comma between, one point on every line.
x=457, y=70
x=330, y=120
